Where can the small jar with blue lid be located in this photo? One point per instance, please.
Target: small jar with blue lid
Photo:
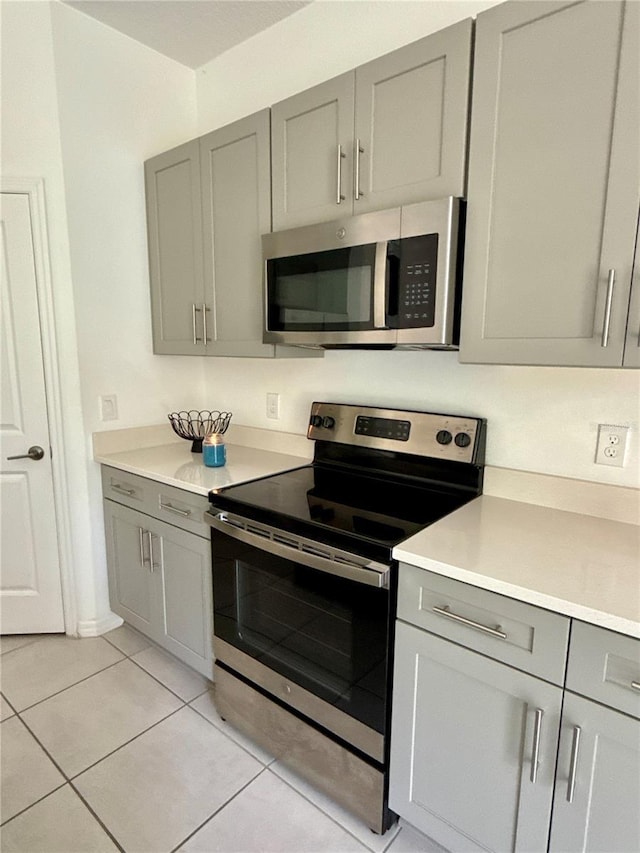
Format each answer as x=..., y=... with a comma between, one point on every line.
x=214, y=453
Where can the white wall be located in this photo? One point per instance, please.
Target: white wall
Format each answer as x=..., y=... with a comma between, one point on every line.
x=320, y=41
x=82, y=107
x=540, y=419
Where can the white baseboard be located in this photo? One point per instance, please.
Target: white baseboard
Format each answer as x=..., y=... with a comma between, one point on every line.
x=97, y=627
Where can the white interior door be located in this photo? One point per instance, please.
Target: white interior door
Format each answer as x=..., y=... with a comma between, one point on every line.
x=30, y=587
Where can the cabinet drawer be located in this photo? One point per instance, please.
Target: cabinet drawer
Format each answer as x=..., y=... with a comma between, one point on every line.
x=518, y=634
x=127, y=489
x=181, y=508
x=604, y=665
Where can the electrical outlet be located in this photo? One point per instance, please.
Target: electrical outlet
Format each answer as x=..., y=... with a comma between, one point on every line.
x=273, y=405
x=109, y=407
x=612, y=445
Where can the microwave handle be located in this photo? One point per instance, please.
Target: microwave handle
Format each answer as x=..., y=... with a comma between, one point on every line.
x=380, y=287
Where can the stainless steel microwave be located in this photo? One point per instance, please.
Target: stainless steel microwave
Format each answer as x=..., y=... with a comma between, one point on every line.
x=378, y=280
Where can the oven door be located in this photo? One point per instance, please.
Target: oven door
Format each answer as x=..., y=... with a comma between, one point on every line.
x=317, y=639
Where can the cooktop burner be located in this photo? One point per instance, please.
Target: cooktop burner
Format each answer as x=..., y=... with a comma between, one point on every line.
x=378, y=477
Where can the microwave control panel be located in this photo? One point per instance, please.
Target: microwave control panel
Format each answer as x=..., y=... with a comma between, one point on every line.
x=416, y=288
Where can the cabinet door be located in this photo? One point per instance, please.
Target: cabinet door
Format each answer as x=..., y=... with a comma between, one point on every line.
x=411, y=121
x=462, y=746
x=602, y=813
x=186, y=602
x=130, y=579
x=553, y=183
x=632, y=344
x=309, y=132
x=236, y=194
x=174, y=230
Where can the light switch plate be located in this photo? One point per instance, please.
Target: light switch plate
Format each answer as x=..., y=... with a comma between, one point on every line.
x=109, y=407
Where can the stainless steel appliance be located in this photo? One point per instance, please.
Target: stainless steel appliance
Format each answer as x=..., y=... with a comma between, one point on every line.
x=386, y=279
x=304, y=588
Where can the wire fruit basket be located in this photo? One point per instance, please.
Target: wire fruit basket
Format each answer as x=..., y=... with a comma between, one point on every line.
x=195, y=426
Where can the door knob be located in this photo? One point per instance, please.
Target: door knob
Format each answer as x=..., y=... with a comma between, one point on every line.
x=34, y=453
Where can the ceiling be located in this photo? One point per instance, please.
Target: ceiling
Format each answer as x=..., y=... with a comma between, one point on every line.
x=190, y=31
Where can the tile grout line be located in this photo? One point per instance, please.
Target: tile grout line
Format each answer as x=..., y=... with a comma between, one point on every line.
x=97, y=817
x=218, y=810
x=157, y=680
x=228, y=736
x=69, y=686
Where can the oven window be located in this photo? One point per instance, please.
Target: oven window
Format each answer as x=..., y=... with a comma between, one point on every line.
x=330, y=290
x=325, y=633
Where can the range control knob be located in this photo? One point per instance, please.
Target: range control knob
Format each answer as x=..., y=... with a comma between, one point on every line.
x=328, y=422
x=443, y=436
x=315, y=421
x=463, y=439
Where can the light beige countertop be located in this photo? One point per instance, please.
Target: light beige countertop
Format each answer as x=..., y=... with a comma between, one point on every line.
x=174, y=465
x=575, y=564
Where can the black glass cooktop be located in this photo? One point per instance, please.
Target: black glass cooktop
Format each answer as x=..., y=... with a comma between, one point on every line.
x=339, y=507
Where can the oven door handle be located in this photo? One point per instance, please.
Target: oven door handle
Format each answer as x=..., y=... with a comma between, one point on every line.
x=301, y=550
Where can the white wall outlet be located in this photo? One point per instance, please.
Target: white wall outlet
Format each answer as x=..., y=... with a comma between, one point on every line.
x=273, y=405
x=109, y=407
x=612, y=445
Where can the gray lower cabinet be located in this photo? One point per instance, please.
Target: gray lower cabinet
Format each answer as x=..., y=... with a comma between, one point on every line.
x=466, y=732
x=208, y=203
x=554, y=185
x=596, y=808
x=486, y=756
x=391, y=132
x=160, y=581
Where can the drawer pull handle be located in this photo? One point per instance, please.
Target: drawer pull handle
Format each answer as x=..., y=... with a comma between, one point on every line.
x=635, y=685
x=535, y=753
x=494, y=632
x=573, y=768
x=170, y=508
x=122, y=490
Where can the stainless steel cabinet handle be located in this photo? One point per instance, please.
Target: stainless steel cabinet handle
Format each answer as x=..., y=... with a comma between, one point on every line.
x=152, y=564
x=535, y=752
x=121, y=489
x=607, y=308
x=341, y=156
x=170, y=508
x=143, y=559
x=358, y=150
x=635, y=685
x=196, y=310
x=573, y=769
x=205, y=337
x=34, y=453
x=494, y=632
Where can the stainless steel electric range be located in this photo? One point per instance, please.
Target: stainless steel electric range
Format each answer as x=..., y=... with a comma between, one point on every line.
x=304, y=589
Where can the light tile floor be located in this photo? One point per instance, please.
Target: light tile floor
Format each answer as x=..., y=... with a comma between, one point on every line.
x=110, y=744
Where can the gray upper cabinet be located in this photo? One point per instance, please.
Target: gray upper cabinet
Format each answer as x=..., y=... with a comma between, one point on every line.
x=553, y=184
x=391, y=132
x=236, y=210
x=208, y=203
x=174, y=231
x=311, y=139
x=632, y=344
x=411, y=116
